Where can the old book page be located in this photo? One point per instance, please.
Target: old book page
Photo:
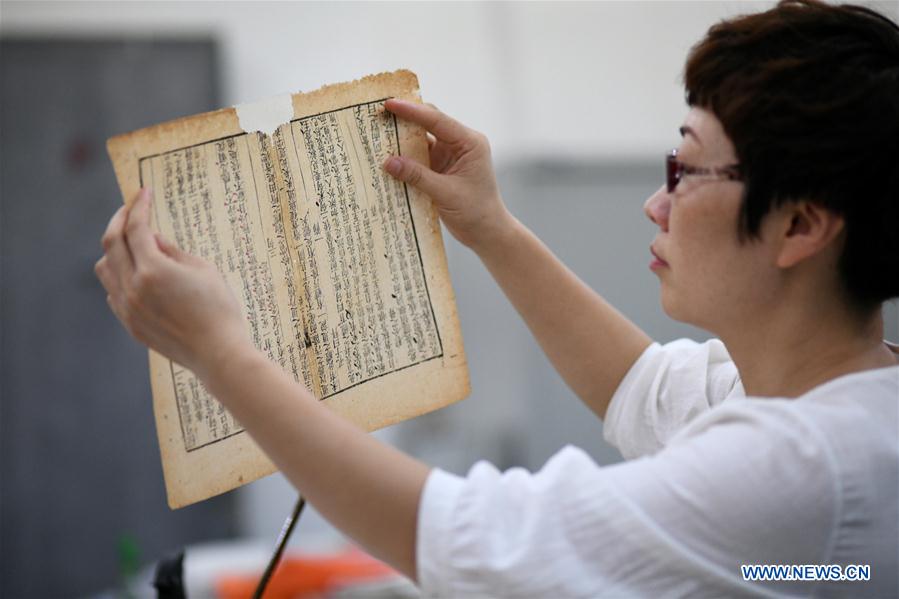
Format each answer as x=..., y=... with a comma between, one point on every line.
x=340, y=268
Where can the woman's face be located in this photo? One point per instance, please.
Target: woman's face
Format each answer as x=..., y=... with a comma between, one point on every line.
x=708, y=277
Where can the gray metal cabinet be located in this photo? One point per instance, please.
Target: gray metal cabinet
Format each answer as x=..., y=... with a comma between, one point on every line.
x=79, y=463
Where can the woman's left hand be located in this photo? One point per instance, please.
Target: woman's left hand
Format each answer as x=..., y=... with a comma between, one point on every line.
x=169, y=300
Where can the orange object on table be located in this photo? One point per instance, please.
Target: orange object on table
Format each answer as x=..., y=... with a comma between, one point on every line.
x=308, y=576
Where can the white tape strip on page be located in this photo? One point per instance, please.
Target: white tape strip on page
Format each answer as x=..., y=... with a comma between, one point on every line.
x=265, y=115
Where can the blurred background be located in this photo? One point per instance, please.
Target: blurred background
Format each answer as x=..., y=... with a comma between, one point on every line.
x=580, y=101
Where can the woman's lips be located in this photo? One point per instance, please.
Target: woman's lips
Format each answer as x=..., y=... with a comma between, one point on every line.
x=657, y=262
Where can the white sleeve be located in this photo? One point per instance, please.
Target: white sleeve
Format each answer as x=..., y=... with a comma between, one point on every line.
x=679, y=523
x=667, y=387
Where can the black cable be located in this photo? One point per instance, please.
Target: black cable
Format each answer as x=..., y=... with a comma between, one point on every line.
x=282, y=542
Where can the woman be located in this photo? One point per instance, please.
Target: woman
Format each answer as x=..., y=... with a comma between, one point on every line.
x=777, y=444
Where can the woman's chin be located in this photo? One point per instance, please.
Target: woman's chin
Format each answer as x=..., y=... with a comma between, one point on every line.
x=674, y=306
x=668, y=301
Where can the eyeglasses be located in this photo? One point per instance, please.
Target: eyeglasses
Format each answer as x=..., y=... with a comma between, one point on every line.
x=676, y=170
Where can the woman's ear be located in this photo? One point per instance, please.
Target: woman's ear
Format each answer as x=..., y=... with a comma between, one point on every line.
x=808, y=229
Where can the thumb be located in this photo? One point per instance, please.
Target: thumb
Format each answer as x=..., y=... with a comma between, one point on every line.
x=416, y=175
x=173, y=251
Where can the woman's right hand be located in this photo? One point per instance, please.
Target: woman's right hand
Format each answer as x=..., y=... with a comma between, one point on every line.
x=461, y=181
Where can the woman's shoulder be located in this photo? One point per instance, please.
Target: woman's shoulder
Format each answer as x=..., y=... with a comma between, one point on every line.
x=858, y=414
x=855, y=400
x=855, y=406
x=877, y=383
x=851, y=423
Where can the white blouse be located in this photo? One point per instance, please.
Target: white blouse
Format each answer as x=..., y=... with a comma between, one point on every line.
x=715, y=480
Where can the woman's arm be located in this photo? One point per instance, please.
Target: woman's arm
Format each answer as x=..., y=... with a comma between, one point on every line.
x=590, y=344
x=179, y=305
x=366, y=488
x=751, y=486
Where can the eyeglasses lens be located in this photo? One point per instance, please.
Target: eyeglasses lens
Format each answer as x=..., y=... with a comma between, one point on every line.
x=671, y=171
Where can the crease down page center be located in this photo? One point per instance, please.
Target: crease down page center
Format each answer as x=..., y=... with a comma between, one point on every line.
x=340, y=269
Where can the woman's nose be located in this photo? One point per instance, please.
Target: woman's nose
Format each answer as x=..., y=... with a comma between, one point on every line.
x=658, y=207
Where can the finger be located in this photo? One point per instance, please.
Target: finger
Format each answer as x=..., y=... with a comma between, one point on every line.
x=120, y=310
x=138, y=234
x=116, y=308
x=114, y=228
x=443, y=127
x=415, y=174
x=168, y=248
x=431, y=140
x=101, y=269
x=120, y=262
x=441, y=156
x=113, y=289
x=174, y=252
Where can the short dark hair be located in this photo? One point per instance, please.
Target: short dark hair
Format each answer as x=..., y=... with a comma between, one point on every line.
x=809, y=95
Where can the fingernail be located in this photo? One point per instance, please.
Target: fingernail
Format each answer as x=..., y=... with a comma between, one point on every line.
x=393, y=165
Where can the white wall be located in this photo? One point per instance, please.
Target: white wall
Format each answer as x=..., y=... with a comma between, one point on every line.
x=570, y=78
x=539, y=78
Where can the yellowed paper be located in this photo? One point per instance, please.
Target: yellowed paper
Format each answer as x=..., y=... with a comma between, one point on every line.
x=340, y=268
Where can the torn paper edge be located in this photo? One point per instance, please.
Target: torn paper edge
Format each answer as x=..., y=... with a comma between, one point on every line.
x=265, y=115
